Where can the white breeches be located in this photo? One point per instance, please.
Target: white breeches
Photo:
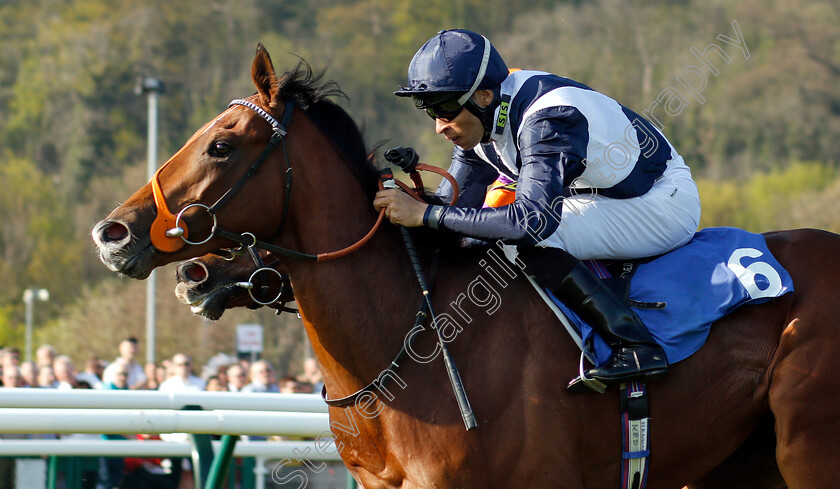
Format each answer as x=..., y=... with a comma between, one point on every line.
x=665, y=218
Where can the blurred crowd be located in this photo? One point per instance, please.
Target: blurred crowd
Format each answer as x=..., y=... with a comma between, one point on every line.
x=57, y=371
x=53, y=370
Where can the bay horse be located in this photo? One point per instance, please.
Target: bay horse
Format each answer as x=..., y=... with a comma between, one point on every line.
x=213, y=283
x=209, y=285
x=777, y=359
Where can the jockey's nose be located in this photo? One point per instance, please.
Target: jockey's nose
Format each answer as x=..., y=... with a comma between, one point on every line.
x=441, y=125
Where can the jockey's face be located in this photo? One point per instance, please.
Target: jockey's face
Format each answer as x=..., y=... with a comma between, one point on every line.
x=465, y=130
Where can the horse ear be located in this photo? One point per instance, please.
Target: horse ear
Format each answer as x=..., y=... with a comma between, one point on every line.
x=262, y=72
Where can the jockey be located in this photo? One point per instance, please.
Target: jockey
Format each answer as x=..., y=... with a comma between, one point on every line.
x=594, y=180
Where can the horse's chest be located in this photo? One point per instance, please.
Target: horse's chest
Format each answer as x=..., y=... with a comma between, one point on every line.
x=385, y=453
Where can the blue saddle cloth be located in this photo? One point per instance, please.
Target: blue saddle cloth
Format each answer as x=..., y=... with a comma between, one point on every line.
x=719, y=270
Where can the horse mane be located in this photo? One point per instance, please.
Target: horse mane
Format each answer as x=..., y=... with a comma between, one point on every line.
x=314, y=97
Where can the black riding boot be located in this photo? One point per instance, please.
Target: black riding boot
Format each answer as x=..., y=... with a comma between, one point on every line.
x=635, y=353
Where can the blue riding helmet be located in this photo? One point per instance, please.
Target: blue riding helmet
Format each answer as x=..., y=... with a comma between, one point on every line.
x=453, y=63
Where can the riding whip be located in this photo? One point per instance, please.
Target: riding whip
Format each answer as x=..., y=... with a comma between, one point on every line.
x=467, y=414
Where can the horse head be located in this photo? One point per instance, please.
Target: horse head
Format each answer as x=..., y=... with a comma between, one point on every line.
x=197, y=191
x=212, y=283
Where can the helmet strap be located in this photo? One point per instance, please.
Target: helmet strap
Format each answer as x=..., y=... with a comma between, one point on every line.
x=482, y=69
x=485, y=114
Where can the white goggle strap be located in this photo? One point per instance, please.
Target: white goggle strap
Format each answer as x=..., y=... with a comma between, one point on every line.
x=481, y=71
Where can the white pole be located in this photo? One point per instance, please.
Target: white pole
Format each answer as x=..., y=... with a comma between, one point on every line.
x=28, y=298
x=30, y=295
x=151, y=168
x=260, y=472
x=152, y=87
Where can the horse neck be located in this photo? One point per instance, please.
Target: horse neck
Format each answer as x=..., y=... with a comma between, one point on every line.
x=358, y=308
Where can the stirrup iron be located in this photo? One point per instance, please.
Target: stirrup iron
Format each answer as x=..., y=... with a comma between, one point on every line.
x=590, y=382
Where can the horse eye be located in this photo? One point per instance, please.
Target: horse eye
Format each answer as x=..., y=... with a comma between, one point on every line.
x=220, y=148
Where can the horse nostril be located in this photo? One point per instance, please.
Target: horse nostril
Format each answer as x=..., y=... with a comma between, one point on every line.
x=114, y=232
x=192, y=272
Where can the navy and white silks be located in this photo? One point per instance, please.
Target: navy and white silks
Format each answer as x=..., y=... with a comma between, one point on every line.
x=593, y=177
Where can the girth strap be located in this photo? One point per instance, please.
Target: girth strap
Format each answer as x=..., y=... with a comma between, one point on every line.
x=635, y=435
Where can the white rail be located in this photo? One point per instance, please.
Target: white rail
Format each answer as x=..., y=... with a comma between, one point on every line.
x=153, y=421
x=113, y=399
x=34, y=411
x=294, y=450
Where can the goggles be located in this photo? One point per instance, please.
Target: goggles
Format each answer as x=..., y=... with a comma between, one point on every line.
x=446, y=110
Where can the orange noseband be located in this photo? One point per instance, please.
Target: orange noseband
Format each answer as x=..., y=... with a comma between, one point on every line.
x=164, y=221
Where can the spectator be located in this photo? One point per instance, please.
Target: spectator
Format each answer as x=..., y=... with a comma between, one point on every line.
x=182, y=379
x=262, y=378
x=214, y=384
x=45, y=355
x=8, y=361
x=221, y=374
x=168, y=370
x=12, y=377
x=291, y=385
x=312, y=375
x=120, y=377
x=151, y=376
x=65, y=372
x=246, y=364
x=128, y=352
x=29, y=372
x=46, y=377
x=160, y=374
x=92, y=373
x=10, y=354
x=237, y=378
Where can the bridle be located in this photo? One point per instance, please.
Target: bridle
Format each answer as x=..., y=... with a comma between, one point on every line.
x=170, y=233
x=279, y=132
x=260, y=278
